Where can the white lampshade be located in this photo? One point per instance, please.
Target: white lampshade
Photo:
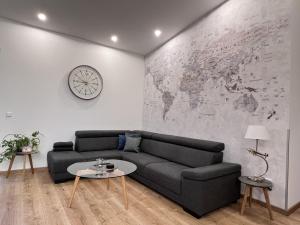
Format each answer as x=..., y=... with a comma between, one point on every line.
x=257, y=132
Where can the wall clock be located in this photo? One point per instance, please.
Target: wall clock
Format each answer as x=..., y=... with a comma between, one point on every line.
x=85, y=82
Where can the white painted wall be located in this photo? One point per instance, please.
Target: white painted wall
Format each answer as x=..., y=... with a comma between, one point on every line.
x=294, y=150
x=34, y=67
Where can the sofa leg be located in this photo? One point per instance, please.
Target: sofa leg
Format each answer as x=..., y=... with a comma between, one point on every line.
x=191, y=213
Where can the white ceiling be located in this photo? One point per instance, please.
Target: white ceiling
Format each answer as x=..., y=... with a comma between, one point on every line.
x=96, y=20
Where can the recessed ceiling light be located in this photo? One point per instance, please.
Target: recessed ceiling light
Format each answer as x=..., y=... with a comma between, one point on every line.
x=114, y=38
x=42, y=16
x=157, y=33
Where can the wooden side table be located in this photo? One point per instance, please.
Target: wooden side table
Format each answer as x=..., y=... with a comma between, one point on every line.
x=24, y=154
x=265, y=185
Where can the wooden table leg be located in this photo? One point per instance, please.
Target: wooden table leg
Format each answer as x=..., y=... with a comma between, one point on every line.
x=10, y=165
x=107, y=183
x=268, y=204
x=74, y=190
x=246, y=194
x=24, y=163
x=250, y=197
x=31, y=164
x=124, y=192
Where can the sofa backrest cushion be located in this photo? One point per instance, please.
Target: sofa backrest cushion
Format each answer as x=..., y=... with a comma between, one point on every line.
x=144, y=134
x=97, y=140
x=186, y=151
x=204, y=145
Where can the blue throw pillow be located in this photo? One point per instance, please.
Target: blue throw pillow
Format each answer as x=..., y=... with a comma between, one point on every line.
x=122, y=142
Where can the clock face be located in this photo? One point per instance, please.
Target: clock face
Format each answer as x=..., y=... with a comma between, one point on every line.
x=85, y=82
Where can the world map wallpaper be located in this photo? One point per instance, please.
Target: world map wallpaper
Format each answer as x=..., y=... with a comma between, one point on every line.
x=229, y=70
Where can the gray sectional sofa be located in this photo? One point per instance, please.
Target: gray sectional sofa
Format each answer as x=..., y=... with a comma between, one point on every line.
x=187, y=171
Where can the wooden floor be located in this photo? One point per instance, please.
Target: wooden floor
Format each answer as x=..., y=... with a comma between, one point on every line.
x=35, y=200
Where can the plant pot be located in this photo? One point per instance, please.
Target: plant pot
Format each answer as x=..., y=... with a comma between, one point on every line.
x=26, y=149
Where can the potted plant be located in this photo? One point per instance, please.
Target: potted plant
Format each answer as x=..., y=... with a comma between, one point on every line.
x=13, y=143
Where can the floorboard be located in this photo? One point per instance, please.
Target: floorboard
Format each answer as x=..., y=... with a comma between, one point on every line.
x=28, y=199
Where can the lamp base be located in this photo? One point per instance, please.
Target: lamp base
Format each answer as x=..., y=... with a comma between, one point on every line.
x=256, y=179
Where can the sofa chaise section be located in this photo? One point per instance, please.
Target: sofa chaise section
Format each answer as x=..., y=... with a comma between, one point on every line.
x=207, y=188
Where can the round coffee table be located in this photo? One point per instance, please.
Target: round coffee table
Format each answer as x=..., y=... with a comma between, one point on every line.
x=89, y=170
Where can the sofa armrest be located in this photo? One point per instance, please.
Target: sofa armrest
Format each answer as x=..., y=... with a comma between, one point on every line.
x=211, y=171
x=63, y=146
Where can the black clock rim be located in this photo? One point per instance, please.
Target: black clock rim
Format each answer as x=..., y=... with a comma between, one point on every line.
x=97, y=73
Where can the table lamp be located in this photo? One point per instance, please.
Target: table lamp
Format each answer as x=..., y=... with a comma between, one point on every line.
x=258, y=132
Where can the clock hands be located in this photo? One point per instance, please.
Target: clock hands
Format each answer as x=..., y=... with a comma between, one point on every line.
x=82, y=82
x=80, y=77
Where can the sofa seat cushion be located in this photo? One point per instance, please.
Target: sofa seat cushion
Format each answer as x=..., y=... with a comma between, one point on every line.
x=58, y=162
x=106, y=154
x=141, y=159
x=166, y=174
